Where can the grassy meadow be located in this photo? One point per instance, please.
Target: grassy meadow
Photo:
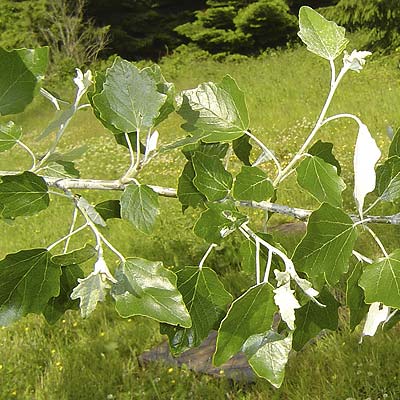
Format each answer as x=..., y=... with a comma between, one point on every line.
x=97, y=358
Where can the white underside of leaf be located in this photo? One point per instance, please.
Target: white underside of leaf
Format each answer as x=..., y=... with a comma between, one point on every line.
x=377, y=314
x=287, y=303
x=366, y=155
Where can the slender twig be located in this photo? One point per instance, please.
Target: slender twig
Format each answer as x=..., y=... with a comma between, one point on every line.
x=340, y=116
x=258, y=268
x=377, y=240
x=268, y=266
x=361, y=257
x=73, y=222
x=302, y=283
x=333, y=72
x=49, y=248
x=372, y=205
x=206, y=254
x=29, y=151
x=99, y=236
x=267, y=151
x=132, y=158
x=316, y=128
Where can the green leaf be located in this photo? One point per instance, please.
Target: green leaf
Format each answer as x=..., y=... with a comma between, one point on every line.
x=9, y=135
x=388, y=179
x=394, y=149
x=21, y=73
x=247, y=253
x=218, y=221
x=248, y=315
x=97, y=87
x=311, y=319
x=324, y=252
x=324, y=150
x=129, y=99
x=24, y=194
x=252, y=184
x=206, y=300
x=321, y=180
x=109, y=209
x=77, y=256
x=355, y=297
x=91, y=212
x=188, y=140
x=211, y=179
x=322, y=37
x=60, y=169
x=28, y=281
x=381, y=281
x=90, y=290
x=209, y=149
x=147, y=288
x=57, y=306
x=242, y=148
x=217, y=109
x=187, y=193
x=163, y=87
x=139, y=205
x=71, y=155
x=268, y=355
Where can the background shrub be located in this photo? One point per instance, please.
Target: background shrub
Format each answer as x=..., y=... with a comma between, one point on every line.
x=380, y=18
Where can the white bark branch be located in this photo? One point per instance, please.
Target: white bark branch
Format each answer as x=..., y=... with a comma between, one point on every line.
x=298, y=213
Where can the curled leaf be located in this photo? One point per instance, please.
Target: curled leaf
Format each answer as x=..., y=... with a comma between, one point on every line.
x=356, y=60
x=377, y=314
x=366, y=155
x=285, y=300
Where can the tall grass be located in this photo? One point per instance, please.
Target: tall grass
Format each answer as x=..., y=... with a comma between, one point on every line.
x=97, y=358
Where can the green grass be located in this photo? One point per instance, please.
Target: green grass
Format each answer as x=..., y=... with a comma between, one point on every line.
x=96, y=358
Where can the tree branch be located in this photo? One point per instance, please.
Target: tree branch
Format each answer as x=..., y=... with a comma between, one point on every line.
x=298, y=213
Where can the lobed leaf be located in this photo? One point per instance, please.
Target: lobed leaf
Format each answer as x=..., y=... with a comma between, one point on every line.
x=139, y=205
x=147, y=288
x=129, y=100
x=24, y=194
x=22, y=72
x=322, y=37
x=250, y=314
x=252, y=184
x=28, y=280
x=216, y=109
x=268, y=355
x=211, y=178
x=321, y=180
x=206, y=300
x=90, y=291
x=381, y=281
x=324, y=252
